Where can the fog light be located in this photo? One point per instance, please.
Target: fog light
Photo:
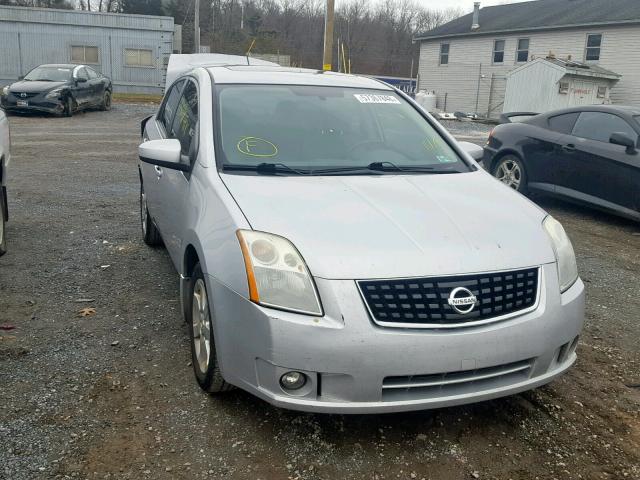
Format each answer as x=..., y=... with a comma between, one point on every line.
x=293, y=380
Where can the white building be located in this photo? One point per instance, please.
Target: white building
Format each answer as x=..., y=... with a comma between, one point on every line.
x=466, y=61
x=133, y=50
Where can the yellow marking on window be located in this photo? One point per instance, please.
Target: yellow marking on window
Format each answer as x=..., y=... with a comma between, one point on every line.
x=257, y=147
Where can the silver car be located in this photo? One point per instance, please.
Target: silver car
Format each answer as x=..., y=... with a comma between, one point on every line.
x=339, y=251
x=5, y=157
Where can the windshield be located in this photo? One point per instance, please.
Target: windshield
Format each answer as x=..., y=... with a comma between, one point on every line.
x=307, y=128
x=49, y=74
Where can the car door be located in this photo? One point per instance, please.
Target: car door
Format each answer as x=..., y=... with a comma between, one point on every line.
x=152, y=175
x=82, y=87
x=539, y=145
x=95, y=86
x=175, y=184
x=598, y=171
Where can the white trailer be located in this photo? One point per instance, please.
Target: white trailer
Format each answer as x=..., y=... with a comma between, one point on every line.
x=551, y=83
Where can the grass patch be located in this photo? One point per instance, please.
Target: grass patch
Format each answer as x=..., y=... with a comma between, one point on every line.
x=136, y=98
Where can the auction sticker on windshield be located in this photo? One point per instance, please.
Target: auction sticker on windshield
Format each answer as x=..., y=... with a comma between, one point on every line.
x=371, y=98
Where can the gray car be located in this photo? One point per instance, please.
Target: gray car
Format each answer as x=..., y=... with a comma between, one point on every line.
x=339, y=251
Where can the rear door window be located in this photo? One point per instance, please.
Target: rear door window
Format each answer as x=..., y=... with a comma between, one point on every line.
x=563, y=123
x=599, y=126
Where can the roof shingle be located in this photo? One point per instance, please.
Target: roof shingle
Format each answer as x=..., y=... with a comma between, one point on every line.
x=539, y=15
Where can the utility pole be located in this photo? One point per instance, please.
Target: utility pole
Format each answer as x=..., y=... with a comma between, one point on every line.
x=196, y=27
x=328, y=36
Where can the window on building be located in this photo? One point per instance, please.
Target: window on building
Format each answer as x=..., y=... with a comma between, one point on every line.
x=498, y=51
x=594, y=42
x=444, y=53
x=564, y=88
x=138, y=57
x=602, y=92
x=522, y=53
x=84, y=54
x=600, y=126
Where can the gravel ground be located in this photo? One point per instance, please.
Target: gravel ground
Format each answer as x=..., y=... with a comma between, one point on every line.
x=111, y=394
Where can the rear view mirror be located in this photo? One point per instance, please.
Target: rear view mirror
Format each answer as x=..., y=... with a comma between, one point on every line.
x=163, y=153
x=476, y=152
x=624, y=140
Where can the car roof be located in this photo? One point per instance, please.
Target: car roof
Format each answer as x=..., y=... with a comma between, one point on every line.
x=275, y=75
x=619, y=109
x=61, y=65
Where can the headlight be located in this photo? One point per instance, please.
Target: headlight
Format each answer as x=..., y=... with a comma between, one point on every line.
x=277, y=274
x=567, y=267
x=55, y=93
x=5, y=90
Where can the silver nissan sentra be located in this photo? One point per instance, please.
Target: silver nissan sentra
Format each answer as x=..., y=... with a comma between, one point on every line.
x=339, y=251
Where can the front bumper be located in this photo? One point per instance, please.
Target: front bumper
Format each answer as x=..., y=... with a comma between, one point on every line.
x=38, y=103
x=351, y=363
x=487, y=157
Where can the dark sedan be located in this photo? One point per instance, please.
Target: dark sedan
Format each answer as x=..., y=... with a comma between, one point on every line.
x=60, y=89
x=585, y=154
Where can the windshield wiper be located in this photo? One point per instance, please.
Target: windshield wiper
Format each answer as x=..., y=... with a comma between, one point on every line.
x=382, y=167
x=266, y=168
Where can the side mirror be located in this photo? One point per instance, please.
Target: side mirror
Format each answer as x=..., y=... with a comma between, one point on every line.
x=624, y=140
x=163, y=153
x=21, y=77
x=476, y=152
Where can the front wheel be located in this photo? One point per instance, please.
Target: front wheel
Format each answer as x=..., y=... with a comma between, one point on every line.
x=68, y=107
x=203, y=349
x=510, y=171
x=3, y=222
x=150, y=233
x=106, y=101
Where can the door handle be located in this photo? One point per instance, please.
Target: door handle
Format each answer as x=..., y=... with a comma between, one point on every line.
x=570, y=148
x=158, y=170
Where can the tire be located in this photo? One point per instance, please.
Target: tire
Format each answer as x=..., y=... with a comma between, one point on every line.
x=106, y=101
x=150, y=234
x=203, y=351
x=68, y=107
x=3, y=223
x=510, y=170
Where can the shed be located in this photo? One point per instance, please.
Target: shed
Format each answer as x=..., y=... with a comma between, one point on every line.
x=552, y=83
x=133, y=50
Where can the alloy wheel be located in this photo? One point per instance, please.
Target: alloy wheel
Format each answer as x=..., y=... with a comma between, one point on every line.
x=509, y=173
x=201, y=326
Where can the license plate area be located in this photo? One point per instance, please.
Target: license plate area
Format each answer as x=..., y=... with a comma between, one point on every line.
x=22, y=103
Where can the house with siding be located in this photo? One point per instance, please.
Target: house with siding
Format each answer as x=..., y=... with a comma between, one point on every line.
x=466, y=61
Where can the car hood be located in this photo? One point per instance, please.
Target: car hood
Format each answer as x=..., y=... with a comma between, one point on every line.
x=35, y=87
x=389, y=226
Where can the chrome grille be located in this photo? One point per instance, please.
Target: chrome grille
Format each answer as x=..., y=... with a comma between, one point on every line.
x=24, y=95
x=423, y=302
